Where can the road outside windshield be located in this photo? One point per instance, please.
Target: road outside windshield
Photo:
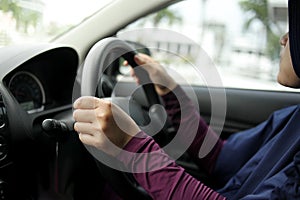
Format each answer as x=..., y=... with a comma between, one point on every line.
x=27, y=21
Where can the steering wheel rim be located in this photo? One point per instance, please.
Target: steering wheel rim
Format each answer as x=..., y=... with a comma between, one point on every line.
x=96, y=60
x=94, y=66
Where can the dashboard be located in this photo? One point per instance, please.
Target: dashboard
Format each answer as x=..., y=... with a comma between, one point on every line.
x=36, y=83
x=28, y=91
x=45, y=81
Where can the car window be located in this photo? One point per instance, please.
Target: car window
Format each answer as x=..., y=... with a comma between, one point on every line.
x=198, y=41
x=42, y=20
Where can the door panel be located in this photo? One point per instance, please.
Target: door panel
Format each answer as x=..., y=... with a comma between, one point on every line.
x=245, y=109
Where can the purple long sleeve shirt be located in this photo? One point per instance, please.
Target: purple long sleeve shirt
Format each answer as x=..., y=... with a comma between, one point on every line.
x=162, y=177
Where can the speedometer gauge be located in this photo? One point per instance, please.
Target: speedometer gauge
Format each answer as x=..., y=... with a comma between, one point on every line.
x=28, y=91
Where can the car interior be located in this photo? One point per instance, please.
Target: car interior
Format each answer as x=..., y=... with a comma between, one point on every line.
x=41, y=156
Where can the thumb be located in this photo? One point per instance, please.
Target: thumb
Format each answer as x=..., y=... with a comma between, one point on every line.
x=139, y=60
x=125, y=63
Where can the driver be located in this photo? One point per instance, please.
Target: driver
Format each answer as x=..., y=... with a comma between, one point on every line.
x=259, y=163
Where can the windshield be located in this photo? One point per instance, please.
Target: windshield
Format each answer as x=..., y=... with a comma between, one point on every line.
x=29, y=21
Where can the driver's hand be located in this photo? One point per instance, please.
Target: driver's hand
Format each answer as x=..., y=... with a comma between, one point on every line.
x=164, y=83
x=101, y=123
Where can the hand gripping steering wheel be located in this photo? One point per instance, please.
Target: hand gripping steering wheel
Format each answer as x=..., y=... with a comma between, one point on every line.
x=94, y=66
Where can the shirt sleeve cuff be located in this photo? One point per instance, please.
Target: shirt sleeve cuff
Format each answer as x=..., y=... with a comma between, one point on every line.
x=171, y=95
x=135, y=145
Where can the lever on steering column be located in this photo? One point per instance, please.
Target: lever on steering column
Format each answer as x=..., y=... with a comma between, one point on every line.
x=57, y=129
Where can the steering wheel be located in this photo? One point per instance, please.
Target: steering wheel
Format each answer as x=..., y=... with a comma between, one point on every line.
x=98, y=58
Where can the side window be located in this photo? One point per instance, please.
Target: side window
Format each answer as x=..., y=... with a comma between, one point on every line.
x=239, y=39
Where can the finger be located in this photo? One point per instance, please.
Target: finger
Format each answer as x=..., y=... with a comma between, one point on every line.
x=101, y=143
x=144, y=58
x=125, y=63
x=87, y=139
x=145, y=62
x=85, y=128
x=85, y=115
x=86, y=102
x=132, y=73
x=89, y=102
x=138, y=58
